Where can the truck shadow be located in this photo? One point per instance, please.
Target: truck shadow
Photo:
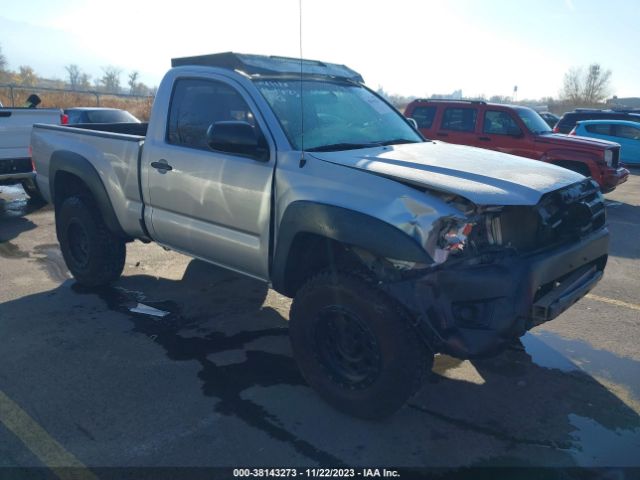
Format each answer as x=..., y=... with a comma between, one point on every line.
x=235, y=329
x=624, y=224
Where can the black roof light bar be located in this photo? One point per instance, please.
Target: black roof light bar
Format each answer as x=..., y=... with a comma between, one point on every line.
x=269, y=66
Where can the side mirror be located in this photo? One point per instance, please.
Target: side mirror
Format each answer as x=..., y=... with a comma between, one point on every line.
x=238, y=138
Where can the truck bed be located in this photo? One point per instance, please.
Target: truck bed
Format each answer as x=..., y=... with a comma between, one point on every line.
x=139, y=129
x=113, y=150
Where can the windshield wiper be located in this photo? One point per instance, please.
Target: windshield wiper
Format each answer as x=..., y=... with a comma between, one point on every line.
x=342, y=146
x=396, y=141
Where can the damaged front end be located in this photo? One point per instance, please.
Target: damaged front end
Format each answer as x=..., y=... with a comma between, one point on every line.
x=499, y=271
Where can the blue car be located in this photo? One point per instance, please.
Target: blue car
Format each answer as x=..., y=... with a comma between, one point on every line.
x=624, y=132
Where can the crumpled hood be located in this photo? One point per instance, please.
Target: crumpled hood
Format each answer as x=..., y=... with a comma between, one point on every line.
x=483, y=176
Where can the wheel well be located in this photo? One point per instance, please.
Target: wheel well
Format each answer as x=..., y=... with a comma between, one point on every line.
x=578, y=167
x=311, y=253
x=68, y=185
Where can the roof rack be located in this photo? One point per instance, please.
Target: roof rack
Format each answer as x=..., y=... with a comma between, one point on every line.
x=269, y=66
x=626, y=110
x=478, y=102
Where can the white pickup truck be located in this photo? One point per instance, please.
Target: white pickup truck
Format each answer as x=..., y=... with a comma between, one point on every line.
x=393, y=247
x=15, y=135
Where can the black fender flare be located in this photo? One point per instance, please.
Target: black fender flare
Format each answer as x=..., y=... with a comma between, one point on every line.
x=75, y=164
x=346, y=226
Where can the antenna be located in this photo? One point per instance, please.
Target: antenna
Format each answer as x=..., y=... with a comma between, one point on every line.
x=303, y=161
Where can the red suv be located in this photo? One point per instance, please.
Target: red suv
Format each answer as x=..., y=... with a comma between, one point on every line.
x=519, y=131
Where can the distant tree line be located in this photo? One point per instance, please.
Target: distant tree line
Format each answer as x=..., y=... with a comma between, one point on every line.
x=76, y=79
x=586, y=86
x=582, y=87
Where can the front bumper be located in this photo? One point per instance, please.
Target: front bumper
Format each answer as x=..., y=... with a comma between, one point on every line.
x=474, y=310
x=613, y=177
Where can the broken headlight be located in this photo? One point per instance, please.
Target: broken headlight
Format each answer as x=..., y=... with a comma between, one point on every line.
x=452, y=240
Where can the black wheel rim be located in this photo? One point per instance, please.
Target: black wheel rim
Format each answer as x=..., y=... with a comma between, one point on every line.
x=78, y=241
x=346, y=347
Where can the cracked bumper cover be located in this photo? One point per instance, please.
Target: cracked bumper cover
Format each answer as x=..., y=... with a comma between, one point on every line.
x=475, y=310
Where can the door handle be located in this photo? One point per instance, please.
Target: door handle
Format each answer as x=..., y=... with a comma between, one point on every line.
x=442, y=134
x=162, y=166
x=484, y=139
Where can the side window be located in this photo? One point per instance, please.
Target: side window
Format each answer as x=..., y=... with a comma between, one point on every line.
x=627, y=131
x=499, y=123
x=460, y=119
x=196, y=104
x=599, y=128
x=424, y=116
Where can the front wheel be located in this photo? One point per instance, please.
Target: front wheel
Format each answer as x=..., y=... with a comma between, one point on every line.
x=355, y=346
x=93, y=254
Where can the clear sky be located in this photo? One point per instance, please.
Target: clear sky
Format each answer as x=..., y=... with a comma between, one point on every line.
x=408, y=47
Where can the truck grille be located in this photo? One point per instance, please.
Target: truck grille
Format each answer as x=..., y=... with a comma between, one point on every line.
x=19, y=165
x=560, y=217
x=571, y=213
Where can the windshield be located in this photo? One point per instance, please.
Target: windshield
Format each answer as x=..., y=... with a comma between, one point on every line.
x=533, y=121
x=337, y=116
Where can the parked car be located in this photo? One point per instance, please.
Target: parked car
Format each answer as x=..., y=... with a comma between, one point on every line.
x=99, y=115
x=15, y=134
x=550, y=118
x=393, y=248
x=519, y=131
x=626, y=133
x=569, y=119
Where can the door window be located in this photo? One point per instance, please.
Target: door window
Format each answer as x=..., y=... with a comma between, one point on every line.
x=197, y=104
x=499, y=123
x=459, y=119
x=627, y=131
x=599, y=128
x=424, y=116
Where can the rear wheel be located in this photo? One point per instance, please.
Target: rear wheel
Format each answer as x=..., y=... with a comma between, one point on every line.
x=93, y=254
x=355, y=346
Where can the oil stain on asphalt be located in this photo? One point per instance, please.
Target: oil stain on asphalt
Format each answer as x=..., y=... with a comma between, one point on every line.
x=225, y=382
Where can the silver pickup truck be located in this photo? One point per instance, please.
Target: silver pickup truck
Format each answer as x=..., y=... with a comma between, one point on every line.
x=15, y=134
x=392, y=247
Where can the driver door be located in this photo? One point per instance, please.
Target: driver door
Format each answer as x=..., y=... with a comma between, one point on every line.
x=209, y=204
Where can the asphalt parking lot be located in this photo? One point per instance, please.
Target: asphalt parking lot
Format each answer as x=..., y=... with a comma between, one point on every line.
x=86, y=382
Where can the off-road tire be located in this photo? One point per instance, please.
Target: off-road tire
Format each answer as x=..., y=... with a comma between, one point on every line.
x=31, y=189
x=93, y=254
x=338, y=369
